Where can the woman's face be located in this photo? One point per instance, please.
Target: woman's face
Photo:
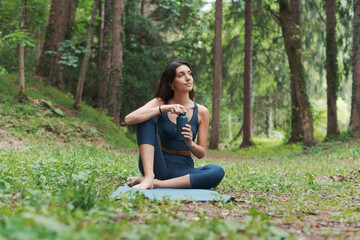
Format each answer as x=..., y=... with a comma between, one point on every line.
x=183, y=79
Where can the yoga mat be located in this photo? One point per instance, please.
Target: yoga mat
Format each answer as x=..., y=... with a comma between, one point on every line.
x=201, y=195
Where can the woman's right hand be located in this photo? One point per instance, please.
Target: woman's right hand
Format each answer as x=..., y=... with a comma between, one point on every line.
x=173, y=108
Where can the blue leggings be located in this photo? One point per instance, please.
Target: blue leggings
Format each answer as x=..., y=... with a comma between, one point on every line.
x=167, y=166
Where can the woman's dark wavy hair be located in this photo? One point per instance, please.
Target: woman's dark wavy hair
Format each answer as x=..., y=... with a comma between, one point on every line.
x=164, y=90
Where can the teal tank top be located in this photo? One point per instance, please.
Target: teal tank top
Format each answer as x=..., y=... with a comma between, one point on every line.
x=167, y=131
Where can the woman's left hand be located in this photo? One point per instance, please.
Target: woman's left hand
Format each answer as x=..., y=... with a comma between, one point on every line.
x=187, y=133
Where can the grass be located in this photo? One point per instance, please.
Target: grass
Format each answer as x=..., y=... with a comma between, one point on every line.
x=65, y=193
x=34, y=119
x=56, y=181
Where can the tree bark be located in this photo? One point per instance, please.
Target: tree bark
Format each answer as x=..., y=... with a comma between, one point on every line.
x=61, y=17
x=46, y=60
x=276, y=99
x=38, y=45
x=247, y=105
x=355, y=102
x=21, y=57
x=230, y=127
x=80, y=85
x=116, y=60
x=100, y=33
x=268, y=117
x=217, y=76
x=331, y=70
x=21, y=70
x=67, y=17
x=291, y=32
x=143, y=6
x=296, y=134
x=106, y=54
x=71, y=8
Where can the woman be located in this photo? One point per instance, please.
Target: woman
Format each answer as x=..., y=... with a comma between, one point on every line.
x=170, y=165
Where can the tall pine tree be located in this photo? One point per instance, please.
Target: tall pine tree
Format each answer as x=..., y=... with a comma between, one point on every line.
x=217, y=76
x=247, y=112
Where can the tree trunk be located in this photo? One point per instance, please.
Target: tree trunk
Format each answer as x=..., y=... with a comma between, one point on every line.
x=143, y=6
x=106, y=53
x=100, y=33
x=268, y=117
x=71, y=8
x=247, y=105
x=60, y=21
x=296, y=134
x=331, y=70
x=230, y=128
x=217, y=76
x=291, y=32
x=21, y=57
x=116, y=60
x=38, y=45
x=46, y=60
x=275, y=122
x=80, y=85
x=21, y=70
x=276, y=100
x=67, y=17
x=355, y=101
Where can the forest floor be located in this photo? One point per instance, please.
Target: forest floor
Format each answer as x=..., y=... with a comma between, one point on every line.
x=312, y=223
x=57, y=173
x=268, y=198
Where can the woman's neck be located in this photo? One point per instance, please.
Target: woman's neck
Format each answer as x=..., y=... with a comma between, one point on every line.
x=181, y=98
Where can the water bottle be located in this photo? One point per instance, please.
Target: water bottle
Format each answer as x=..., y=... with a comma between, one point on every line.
x=181, y=120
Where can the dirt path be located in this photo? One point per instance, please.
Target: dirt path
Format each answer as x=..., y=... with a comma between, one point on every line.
x=7, y=141
x=221, y=156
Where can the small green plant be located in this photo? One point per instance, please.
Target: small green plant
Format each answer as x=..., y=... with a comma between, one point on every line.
x=49, y=104
x=70, y=53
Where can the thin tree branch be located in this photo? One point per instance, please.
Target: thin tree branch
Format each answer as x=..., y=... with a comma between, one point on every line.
x=274, y=15
x=317, y=9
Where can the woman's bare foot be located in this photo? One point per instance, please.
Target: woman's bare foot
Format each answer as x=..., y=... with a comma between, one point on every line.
x=146, y=183
x=132, y=181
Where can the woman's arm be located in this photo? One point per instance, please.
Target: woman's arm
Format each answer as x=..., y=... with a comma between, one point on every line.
x=199, y=149
x=149, y=110
x=152, y=109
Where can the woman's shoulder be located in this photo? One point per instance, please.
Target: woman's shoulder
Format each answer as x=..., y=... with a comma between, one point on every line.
x=203, y=114
x=155, y=102
x=202, y=109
